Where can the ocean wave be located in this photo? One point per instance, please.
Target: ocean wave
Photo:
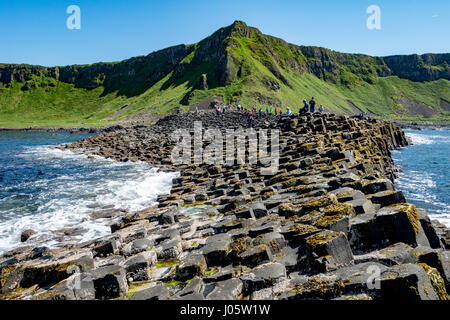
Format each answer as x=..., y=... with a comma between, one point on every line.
x=77, y=186
x=426, y=138
x=424, y=179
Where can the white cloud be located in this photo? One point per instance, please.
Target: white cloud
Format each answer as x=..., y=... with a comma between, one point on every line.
x=435, y=15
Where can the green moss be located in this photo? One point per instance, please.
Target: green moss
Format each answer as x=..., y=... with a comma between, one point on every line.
x=193, y=204
x=326, y=221
x=322, y=289
x=167, y=263
x=436, y=280
x=319, y=203
x=302, y=229
x=320, y=238
x=210, y=271
x=342, y=209
x=288, y=209
x=240, y=245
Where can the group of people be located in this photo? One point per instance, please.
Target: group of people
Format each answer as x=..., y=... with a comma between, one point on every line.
x=249, y=114
x=310, y=107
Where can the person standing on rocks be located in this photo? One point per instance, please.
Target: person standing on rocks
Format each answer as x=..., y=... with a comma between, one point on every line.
x=321, y=108
x=249, y=119
x=312, y=105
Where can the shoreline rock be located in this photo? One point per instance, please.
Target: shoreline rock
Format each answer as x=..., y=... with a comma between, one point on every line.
x=319, y=228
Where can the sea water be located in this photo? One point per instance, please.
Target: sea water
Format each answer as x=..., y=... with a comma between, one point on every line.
x=425, y=180
x=46, y=189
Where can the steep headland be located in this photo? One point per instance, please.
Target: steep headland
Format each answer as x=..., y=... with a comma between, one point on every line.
x=235, y=64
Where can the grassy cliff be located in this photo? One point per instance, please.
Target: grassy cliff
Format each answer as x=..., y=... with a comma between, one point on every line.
x=237, y=64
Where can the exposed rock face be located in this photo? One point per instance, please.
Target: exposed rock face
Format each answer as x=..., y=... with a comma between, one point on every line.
x=328, y=224
x=213, y=63
x=426, y=67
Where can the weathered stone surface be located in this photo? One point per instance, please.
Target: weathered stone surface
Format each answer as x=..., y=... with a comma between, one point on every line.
x=106, y=247
x=437, y=259
x=44, y=273
x=138, y=267
x=377, y=186
x=77, y=287
x=406, y=282
x=154, y=293
x=392, y=224
x=192, y=265
x=399, y=253
x=262, y=277
x=170, y=249
x=389, y=197
x=428, y=228
x=137, y=246
x=26, y=235
x=109, y=282
x=216, y=250
x=333, y=244
x=255, y=256
x=230, y=289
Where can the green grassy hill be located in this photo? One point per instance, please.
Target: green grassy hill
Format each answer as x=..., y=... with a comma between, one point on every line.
x=237, y=64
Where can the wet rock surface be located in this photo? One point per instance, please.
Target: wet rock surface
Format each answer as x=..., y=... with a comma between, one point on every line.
x=328, y=224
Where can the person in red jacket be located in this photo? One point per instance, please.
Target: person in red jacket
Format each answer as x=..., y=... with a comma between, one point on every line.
x=249, y=119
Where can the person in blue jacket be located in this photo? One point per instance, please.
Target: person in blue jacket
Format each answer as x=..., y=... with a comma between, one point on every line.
x=305, y=108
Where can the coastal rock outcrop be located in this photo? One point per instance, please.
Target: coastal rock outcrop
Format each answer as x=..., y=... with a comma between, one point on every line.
x=328, y=224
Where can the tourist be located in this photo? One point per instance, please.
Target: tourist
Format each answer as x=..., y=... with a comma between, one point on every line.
x=321, y=108
x=305, y=108
x=217, y=110
x=288, y=113
x=312, y=105
x=249, y=119
x=276, y=111
x=224, y=108
x=260, y=113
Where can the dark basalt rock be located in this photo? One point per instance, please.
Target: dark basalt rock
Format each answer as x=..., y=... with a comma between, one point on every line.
x=316, y=228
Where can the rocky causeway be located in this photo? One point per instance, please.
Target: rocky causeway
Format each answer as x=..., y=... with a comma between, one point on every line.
x=328, y=224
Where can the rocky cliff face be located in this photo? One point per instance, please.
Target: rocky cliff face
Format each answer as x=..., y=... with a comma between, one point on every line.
x=224, y=67
x=427, y=67
x=140, y=72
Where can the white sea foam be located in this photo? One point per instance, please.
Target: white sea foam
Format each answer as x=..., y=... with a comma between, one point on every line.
x=70, y=199
x=417, y=138
x=426, y=138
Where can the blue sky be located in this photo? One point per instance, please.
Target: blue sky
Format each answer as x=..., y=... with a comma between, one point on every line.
x=35, y=31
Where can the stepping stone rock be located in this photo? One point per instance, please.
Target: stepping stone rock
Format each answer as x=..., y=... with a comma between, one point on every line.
x=155, y=293
x=44, y=273
x=262, y=277
x=389, y=197
x=138, y=267
x=330, y=243
x=192, y=265
x=216, y=249
x=109, y=282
